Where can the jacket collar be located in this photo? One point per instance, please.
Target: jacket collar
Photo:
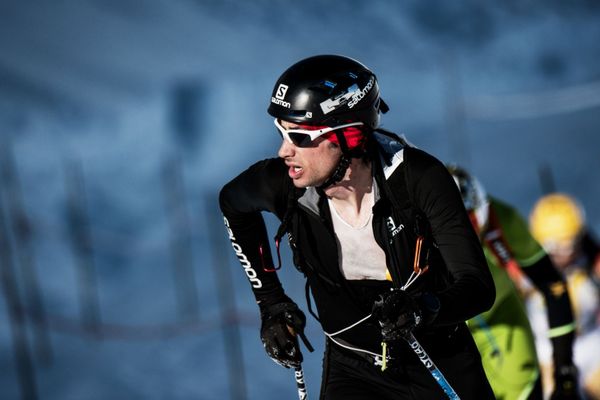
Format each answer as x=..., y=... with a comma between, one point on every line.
x=391, y=152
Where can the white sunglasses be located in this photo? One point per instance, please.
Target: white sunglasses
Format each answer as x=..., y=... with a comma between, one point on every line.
x=304, y=137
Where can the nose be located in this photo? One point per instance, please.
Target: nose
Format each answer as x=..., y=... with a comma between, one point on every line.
x=286, y=149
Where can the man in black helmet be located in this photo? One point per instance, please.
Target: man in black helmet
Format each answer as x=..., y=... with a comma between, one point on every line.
x=380, y=232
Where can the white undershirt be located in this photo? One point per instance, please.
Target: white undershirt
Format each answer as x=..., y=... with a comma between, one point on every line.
x=360, y=257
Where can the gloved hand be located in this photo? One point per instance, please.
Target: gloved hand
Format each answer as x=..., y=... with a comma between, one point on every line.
x=281, y=323
x=565, y=383
x=399, y=313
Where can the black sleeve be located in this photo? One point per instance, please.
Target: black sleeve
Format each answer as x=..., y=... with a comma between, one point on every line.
x=262, y=187
x=548, y=280
x=472, y=289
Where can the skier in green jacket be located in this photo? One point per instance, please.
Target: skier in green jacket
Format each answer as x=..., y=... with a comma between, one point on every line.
x=503, y=334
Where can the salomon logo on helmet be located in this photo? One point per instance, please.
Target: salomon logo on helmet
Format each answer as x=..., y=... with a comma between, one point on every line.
x=280, y=102
x=356, y=97
x=281, y=91
x=280, y=95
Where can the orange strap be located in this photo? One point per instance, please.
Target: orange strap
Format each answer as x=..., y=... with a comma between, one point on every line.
x=417, y=263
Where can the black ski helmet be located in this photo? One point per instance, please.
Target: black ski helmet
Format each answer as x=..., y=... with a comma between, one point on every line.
x=327, y=90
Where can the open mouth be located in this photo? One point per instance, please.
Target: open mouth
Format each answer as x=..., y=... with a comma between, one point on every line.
x=295, y=171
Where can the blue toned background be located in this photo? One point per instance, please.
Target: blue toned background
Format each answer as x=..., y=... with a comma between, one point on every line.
x=120, y=120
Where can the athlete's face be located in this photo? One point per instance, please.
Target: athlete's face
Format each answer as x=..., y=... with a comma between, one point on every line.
x=312, y=165
x=564, y=255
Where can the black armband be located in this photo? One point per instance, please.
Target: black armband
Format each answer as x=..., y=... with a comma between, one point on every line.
x=562, y=349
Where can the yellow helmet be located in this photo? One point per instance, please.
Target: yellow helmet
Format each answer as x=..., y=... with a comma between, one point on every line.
x=557, y=220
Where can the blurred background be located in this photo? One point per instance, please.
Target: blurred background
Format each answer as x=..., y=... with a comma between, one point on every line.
x=120, y=120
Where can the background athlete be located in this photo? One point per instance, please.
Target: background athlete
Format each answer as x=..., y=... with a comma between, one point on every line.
x=558, y=222
x=503, y=334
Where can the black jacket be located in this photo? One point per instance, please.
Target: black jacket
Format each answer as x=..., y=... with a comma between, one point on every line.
x=414, y=195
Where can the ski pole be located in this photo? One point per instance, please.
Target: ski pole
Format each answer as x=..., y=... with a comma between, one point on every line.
x=298, y=372
x=422, y=354
x=300, y=384
x=431, y=367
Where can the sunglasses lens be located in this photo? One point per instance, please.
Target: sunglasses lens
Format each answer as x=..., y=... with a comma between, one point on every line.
x=300, y=139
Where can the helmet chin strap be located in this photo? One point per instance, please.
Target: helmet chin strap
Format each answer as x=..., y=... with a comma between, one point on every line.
x=340, y=171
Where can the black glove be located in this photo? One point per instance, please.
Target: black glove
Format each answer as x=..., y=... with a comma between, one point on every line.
x=281, y=323
x=566, y=385
x=399, y=313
